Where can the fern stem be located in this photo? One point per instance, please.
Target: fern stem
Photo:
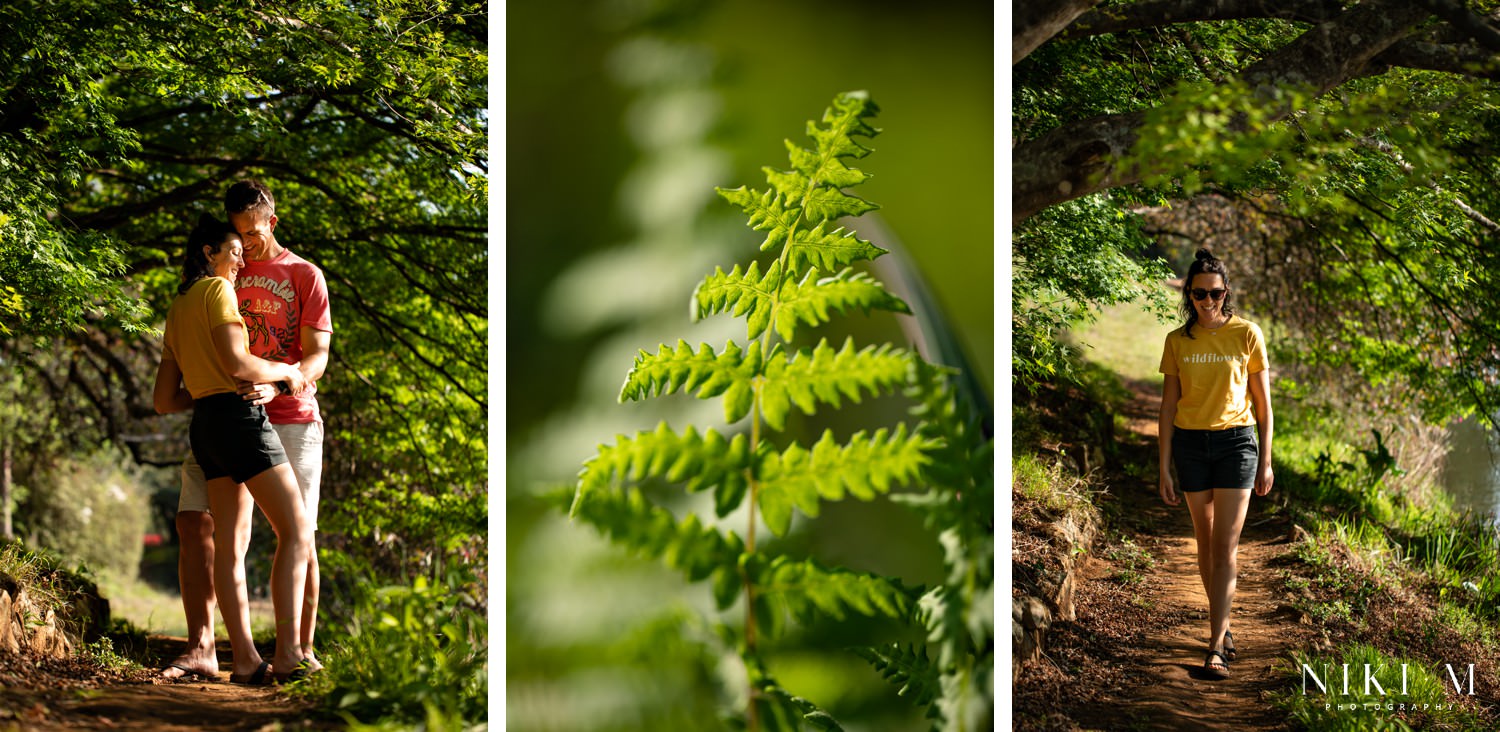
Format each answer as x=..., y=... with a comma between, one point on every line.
x=752, y=718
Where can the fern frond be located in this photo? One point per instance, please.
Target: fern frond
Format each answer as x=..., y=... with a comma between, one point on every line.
x=785, y=709
x=963, y=636
x=745, y=294
x=803, y=200
x=827, y=250
x=768, y=212
x=867, y=466
x=818, y=175
x=669, y=369
x=804, y=590
x=810, y=302
x=907, y=668
x=699, y=551
x=828, y=376
x=709, y=461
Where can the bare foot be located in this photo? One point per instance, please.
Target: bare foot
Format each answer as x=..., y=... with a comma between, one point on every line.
x=200, y=663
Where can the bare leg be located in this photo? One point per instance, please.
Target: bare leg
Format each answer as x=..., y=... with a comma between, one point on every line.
x=1232, y=503
x=195, y=562
x=231, y=505
x=1218, y=517
x=276, y=493
x=310, y=607
x=1201, y=507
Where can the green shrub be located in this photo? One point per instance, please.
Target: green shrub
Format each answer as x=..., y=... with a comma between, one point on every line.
x=410, y=654
x=91, y=510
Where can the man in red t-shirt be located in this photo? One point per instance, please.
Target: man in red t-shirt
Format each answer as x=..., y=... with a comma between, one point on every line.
x=284, y=301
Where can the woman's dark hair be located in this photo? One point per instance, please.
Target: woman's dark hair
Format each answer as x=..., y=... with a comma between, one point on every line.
x=1206, y=263
x=209, y=232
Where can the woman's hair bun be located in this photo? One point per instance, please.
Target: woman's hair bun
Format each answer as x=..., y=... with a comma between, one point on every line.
x=1205, y=254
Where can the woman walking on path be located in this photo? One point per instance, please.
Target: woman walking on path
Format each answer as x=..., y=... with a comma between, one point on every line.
x=205, y=350
x=1214, y=374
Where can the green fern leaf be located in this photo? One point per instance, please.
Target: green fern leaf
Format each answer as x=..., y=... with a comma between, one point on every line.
x=823, y=375
x=907, y=668
x=768, y=212
x=801, y=202
x=699, y=551
x=828, y=250
x=818, y=175
x=709, y=461
x=810, y=302
x=746, y=294
x=867, y=466
x=805, y=590
x=729, y=373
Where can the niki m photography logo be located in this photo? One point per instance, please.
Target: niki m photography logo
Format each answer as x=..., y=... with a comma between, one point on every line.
x=1373, y=687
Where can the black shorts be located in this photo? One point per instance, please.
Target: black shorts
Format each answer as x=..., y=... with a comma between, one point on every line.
x=1215, y=458
x=232, y=437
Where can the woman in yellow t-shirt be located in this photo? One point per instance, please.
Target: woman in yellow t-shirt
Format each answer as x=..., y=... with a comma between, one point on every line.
x=1216, y=397
x=204, y=355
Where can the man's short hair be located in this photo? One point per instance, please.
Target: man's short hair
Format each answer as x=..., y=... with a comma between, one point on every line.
x=249, y=195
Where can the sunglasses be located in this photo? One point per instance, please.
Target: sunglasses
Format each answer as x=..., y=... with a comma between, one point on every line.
x=1200, y=293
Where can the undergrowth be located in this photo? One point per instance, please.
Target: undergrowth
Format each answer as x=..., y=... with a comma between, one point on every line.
x=409, y=655
x=1390, y=573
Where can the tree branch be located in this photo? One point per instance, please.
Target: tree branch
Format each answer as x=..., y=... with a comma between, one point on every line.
x=1034, y=23
x=1118, y=19
x=1080, y=158
x=1466, y=60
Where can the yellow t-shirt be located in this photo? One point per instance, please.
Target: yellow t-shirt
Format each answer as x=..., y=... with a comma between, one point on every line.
x=1214, y=368
x=208, y=304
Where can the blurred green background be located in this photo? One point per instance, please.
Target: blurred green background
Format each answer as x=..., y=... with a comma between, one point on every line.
x=621, y=117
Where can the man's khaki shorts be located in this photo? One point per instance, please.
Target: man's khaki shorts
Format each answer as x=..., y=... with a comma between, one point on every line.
x=304, y=450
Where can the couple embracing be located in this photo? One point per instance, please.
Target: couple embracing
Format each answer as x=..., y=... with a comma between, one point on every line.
x=246, y=340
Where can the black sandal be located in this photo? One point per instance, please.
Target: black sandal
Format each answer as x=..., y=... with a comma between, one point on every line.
x=257, y=678
x=1212, y=671
x=1229, y=646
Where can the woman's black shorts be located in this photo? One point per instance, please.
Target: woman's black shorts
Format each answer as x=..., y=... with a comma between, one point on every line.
x=232, y=437
x=1215, y=458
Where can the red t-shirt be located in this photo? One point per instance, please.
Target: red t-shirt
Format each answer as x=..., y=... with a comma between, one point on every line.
x=277, y=298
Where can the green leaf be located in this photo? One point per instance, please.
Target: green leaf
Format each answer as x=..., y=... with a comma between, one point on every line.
x=810, y=302
x=704, y=462
x=746, y=294
x=767, y=211
x=627, y=518
x=866, y=467
x=908, y=669
x=671, y=369
x=827, y=250
x=804, y=590
x=823, y=375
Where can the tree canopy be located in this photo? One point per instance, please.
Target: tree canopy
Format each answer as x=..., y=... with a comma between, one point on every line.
x=121, y=122
x=1343, y=155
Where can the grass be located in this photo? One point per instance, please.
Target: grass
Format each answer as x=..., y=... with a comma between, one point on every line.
x=159, y=611
x=1045, y=483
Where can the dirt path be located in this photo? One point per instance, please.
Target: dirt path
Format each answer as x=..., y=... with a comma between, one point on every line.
x=1141, y=647
x=47, y=699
